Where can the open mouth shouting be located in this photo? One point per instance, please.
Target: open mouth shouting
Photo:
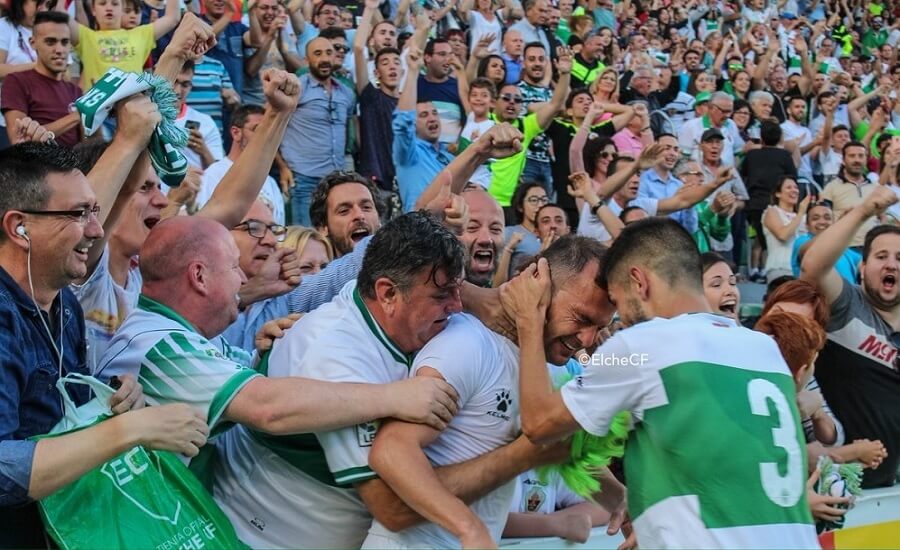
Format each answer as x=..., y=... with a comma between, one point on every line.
x=151, y=221
x=359, y=233
x=482, y=260
x=728, y=306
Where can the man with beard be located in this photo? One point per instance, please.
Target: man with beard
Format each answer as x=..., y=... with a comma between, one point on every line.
x=244, y=122
x=483, y=367
x=483, y=235
x=43, y=93
x=507, y=108
x=851, y=187
x=326, y=14
x=441, y=89
x=712, y=386
x=345, y=209
x=418, y=153
x=857, y=368
x=660, y=183
x=535, y=94
x=377, y=100
x=316, y=135
x=587, y=65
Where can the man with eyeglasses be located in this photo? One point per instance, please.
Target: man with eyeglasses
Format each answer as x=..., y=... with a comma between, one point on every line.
x=244, y=122
x=50, y=218
x=721, y=105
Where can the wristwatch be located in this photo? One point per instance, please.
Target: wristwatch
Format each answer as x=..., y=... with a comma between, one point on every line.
x=596, y=206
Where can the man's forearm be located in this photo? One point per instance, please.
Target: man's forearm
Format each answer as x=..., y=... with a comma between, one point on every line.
x=458, y=171
x=59, y=461
x=111, y=170
x=242, y=183
x=827, y=247
x=64, y=124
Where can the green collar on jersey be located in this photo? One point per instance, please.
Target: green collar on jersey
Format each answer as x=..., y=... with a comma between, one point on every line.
x=151, y=305
x=394, y=349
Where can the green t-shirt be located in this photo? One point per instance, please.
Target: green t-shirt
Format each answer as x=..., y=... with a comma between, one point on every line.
x=506, y=171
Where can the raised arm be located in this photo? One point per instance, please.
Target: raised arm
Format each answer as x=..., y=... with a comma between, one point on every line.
x=827, y=247
x=168, y=21
x=191, y=40
x=359, y=45
x=501, y=141
x=241, y=185
x=784, y=232
x=687, y=197
x=548, y=111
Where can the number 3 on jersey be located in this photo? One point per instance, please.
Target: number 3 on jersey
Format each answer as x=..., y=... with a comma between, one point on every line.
x=784, y=490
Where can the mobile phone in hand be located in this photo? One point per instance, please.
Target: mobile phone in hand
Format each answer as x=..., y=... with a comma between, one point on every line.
x=192, y=125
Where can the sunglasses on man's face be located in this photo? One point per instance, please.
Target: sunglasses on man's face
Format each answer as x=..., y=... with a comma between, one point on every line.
x=510, y=98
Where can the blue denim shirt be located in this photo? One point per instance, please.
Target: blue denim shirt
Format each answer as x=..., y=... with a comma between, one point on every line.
x=417, y=161
x=654, y=187
x=29, y=402
x=316, y=135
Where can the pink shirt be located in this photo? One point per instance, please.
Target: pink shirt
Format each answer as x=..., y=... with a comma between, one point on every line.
x=627, y=143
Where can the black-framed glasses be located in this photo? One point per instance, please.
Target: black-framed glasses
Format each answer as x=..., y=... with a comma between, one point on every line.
x=340, y=48
x=257, y=229
x=722, y=110
x=607, y=154
x=538, y=200
x=82, y=215
x=510, y=98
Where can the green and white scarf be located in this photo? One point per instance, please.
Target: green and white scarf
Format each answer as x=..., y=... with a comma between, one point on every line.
x=167, y=139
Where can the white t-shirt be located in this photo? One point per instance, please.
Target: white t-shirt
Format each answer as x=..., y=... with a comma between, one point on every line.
x=483, y=367
x=590, y=225
x=14, y=41
x=791, y=131
x=535, y=496
x=479, y=26
x=105, y=305
x=471, y=132
x=276, y=500
x=714, y=385
x=214, y=173
x=208, y=129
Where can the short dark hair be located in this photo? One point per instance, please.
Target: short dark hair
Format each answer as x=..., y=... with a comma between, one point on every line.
x=615, y=162
x=483, y=65
x=136, y=5
x=188, y=66
x=57, y=17
x=429, y=47
x=241, y=113
x=575, y=93
x=386, y=51
x=484, y=84
x=570, y=254
x=407, y=245
x=666, y=134
x=330, y=33
x=552, y=205
x=333, y=3
x=876, y=232
x=533, y=45
x=770, y=133
x=662, y=246
x=318, y=208
x=623, y=215
x=853, y=143
x=518, y=198
x=23, y=174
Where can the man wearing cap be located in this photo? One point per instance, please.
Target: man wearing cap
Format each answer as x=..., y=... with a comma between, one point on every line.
x=711, y=143
x=720, y=108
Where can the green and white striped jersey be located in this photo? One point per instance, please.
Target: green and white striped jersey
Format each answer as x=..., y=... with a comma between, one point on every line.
x=176, y=364
x=717, y=456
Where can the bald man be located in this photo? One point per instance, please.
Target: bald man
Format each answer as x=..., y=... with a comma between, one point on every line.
x=483, y=235
x=191, y=274
x=316, y=137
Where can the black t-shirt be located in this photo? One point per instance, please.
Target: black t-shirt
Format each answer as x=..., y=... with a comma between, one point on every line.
x=761, y=170
x=859, y=380
x=376, y=110
x=561, y=132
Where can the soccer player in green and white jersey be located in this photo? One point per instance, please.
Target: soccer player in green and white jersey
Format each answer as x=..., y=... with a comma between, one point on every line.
x=716, y=457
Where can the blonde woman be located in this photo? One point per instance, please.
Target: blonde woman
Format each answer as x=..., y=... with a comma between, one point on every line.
x=313, y=250
x=606, y=88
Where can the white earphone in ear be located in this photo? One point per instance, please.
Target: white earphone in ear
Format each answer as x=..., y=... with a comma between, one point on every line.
x=21, y=231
